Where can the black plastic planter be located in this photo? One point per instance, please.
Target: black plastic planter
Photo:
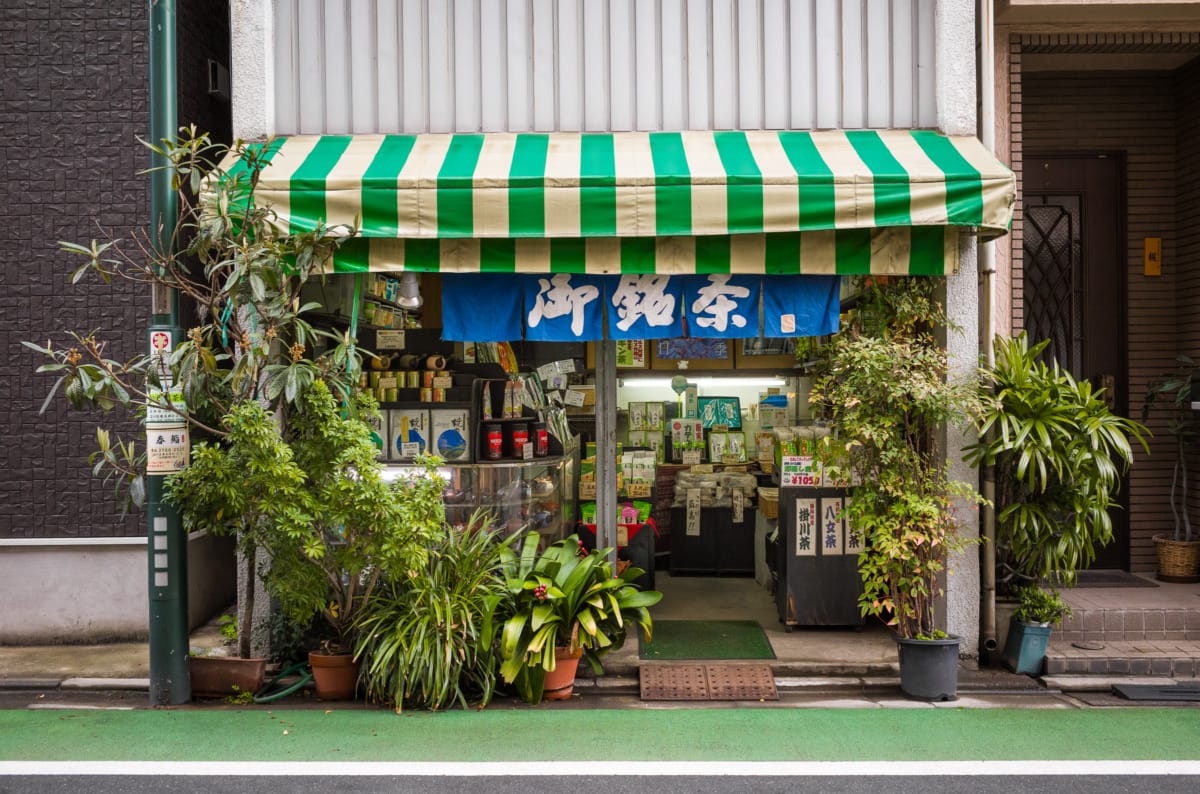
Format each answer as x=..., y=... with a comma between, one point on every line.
x=929, y=668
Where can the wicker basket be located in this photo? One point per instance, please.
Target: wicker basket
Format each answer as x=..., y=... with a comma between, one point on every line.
x=768, y=502
x=1178, y=560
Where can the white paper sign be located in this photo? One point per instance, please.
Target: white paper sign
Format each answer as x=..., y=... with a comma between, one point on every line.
x=162, y=417
x=691, y=457
x=168, y=449
x=527, y=450
x=832, y=528
x=854, y=538
x=546, y=371
x=806, y=527
x=410, y=449
x=574, y=398
x=739, y=506
x=389, y=340
x=693, y=511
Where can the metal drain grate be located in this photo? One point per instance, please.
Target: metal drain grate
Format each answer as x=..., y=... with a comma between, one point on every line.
x=707, y=682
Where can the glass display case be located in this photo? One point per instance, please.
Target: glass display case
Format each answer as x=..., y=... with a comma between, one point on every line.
x=536, y=494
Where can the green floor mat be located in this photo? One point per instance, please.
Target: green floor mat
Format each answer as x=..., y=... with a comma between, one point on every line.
x=706, y=639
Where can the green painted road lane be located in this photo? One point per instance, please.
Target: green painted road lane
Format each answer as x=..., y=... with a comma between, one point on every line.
x=584, y=735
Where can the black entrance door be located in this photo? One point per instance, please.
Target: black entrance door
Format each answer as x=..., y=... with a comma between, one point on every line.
x=1074, y=282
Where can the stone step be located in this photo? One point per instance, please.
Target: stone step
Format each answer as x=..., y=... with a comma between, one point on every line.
x=1169, y=658
x=1117, y=625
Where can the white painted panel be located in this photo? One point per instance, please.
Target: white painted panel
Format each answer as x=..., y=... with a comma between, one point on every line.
x=803, y=73
x=828, y=74
x=388, y=82
x=926, y=76
x=493, y=83
x=337, y=69
x=673, y=66
x=646, y=76
x=595, y=66
x=776, y=65
x=440, y=57
x=545, y=115
x=621, y=57
x=878, y=56
x=698, y=68
x=413, y=48
x=854, y=56
x=366, y=67
x=287, y=100
x=310, y=60
x=465, y=65
x=570, y=67
x=749, y=67
x=902, y=66
x=467, y=83
x=516, y=68
x=723, y=33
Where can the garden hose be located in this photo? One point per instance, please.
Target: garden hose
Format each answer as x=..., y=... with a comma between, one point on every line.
x=266, y=695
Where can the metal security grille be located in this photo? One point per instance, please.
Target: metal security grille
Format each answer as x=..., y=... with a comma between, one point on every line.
x=707, y=682
x=1054, y=292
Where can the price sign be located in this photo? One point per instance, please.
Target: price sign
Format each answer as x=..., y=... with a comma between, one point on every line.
x=388, y=383
x=527, y=450
x=739, y=506
x=691, y=457
x=693, y=512
x=443, y=382
x=574, y=398
x=730, y=457
x=389, y=340
x=638, y=490
x=410, y=449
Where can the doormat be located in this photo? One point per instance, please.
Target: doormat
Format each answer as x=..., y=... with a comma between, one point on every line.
x=706, y=639
x=1152, y=692
x=1111, y=578
x=707, y=682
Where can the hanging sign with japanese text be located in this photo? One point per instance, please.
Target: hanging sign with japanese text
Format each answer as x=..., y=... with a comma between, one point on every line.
x=572, y=307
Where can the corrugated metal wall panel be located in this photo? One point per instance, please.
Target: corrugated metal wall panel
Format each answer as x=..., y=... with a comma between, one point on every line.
x=490, y=65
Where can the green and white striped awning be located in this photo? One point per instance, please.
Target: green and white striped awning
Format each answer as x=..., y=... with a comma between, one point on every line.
x=846, y=202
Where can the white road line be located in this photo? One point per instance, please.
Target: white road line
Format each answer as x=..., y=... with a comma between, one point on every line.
x=591, y=769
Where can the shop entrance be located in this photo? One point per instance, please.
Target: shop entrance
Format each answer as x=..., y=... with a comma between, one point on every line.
x=1074, y=283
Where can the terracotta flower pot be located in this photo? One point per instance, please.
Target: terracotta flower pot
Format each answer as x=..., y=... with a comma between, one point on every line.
x=560, y=682
x=335, y=675
x=220, y=676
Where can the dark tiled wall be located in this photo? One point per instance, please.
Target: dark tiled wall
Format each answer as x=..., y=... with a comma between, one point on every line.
x=73, y=102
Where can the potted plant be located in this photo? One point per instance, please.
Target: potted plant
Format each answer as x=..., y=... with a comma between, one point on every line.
x=251, y=343
x=565, y=603
x=427, y=640
x=1029, y=629
x=1058, y=453
x=884, y=381
x=1179, y=554
x=310, y=498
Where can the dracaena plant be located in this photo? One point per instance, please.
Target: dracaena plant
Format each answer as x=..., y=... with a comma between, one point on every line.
x=1171, y=394
x=1059, y=454
x=566, y=597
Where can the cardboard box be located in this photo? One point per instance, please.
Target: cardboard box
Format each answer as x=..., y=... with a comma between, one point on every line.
x=450, y=434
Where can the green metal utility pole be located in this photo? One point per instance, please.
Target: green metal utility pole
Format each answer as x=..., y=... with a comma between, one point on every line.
x=166, y=543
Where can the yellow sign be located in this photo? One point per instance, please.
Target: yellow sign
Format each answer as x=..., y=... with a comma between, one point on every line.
x=1152, y=256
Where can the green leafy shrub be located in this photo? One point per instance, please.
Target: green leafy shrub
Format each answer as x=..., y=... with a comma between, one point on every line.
x=1036, y=605
x=884, y=381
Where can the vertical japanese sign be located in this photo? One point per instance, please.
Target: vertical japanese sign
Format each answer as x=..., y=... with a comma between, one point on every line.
x=854, y=536
x=832, y=527
x=806, y=527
